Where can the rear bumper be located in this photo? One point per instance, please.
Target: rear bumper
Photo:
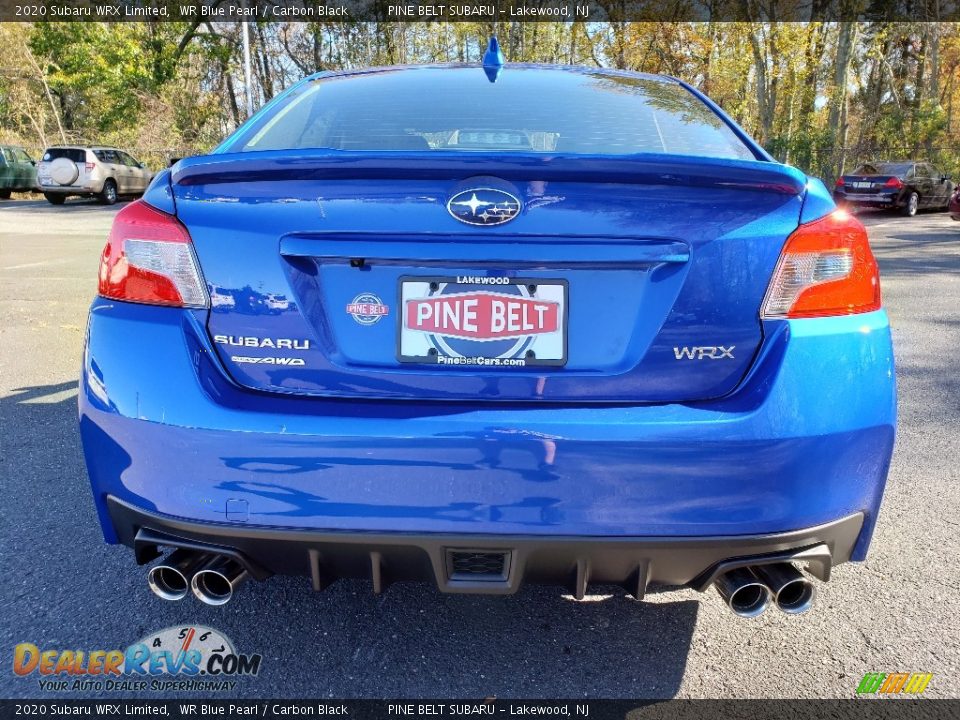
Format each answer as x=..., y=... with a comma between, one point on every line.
x=91, y=187
x=805, y=441
x=507, y=562
x=891, y=199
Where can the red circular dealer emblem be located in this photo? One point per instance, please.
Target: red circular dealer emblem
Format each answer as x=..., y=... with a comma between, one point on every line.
x=367, y=309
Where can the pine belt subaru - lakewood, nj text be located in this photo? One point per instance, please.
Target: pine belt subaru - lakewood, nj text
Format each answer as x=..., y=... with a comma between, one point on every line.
x=487, y=326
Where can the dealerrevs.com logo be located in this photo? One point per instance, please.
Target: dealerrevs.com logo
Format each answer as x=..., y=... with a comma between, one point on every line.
x=190, y=658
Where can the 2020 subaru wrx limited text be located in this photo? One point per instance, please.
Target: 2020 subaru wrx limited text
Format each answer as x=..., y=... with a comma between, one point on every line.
x=489, y=327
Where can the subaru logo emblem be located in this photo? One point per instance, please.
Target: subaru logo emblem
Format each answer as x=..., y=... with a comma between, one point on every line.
x=484, y=206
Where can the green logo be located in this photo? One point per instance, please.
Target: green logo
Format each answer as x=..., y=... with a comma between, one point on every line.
x=894, y=683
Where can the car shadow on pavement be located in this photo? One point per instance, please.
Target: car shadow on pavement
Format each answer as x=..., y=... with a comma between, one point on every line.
x=414, y=641
x=67, y=589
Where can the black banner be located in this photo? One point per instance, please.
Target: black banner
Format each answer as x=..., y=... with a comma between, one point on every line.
x=856, y=709
x=492, y=11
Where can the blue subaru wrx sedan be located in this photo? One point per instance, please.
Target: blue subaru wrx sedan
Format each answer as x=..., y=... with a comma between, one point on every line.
x=540, y=325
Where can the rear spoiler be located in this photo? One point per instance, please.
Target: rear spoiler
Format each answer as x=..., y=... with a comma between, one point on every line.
x=645, y=169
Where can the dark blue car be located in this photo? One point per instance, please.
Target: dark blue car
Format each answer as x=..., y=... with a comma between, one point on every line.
x=548, y=325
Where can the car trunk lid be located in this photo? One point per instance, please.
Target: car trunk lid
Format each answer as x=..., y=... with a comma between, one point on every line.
x=620, y=280
x=868, y=184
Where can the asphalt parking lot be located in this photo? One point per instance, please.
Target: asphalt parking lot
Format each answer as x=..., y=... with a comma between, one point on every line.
x=61, y=587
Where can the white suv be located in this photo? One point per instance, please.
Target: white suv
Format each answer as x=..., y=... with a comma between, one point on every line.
x=101, y=172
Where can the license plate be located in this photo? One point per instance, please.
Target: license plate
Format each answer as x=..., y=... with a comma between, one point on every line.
x=482, y=321
x=863, y=185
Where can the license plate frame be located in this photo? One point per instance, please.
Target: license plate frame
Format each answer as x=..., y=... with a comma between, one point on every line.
x=513, y=351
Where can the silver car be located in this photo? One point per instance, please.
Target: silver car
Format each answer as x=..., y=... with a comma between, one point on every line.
x=101, y=172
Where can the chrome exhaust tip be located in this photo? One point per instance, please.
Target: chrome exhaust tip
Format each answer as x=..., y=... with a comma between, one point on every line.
x=170, y=580
x=168, y=583
x=215, y=583
x=792, y=591
x=743, y=593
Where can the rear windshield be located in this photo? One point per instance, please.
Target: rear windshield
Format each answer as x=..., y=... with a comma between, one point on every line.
x=883, y=169
x=525, y=110
x=75, y=154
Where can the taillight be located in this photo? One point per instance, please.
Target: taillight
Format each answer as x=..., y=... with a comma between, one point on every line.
x=89, y=166
x=894, y=182
x=149, y=259
x=839, y=182
x=826, y=268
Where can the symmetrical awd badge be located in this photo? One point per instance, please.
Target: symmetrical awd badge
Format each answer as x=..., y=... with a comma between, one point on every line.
x=484, y=206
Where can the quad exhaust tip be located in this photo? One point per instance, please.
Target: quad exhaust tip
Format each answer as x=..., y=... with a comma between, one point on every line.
x=743, y=592
x=170, y=580
x=212, y=578
x=216, y=582
x=748, y=591
x=168, y=583
x=792, y=591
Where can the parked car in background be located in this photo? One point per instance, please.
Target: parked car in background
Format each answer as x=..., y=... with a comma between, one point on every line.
x=18, y=171
x=102, y=172
x=220, y=298
x=905, y=186
x=276, y=303
x=954, y=206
